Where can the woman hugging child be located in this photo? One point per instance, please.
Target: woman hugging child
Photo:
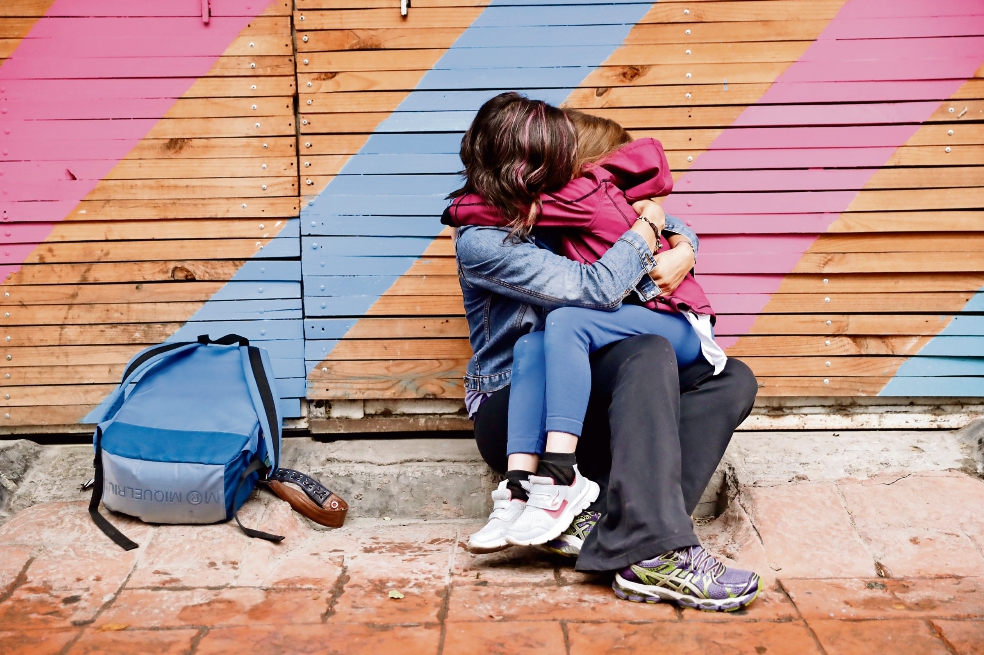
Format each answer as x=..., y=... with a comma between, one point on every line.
x=611, y=182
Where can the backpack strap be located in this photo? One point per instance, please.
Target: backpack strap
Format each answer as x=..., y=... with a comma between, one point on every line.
x=150, y=353
x=101, y=522
x=255, y=466
x=269, y=417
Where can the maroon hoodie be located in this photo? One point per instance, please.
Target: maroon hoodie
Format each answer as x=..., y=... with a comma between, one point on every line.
x=596, y=210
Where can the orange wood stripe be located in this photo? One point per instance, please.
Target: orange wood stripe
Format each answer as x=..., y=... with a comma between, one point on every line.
x=116, y=296
x=947, y=303
x=620, y=83
x=317, y=87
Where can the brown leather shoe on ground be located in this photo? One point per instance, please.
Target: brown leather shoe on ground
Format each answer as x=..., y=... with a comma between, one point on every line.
x=309, y=497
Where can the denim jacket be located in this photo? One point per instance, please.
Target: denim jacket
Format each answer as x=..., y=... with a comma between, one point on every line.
x=510, y=287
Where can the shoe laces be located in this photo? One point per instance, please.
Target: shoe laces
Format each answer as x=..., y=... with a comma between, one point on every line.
x=699, y=560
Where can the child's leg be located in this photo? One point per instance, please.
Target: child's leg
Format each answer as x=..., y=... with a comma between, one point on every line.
x=572, y=334
x=559, y=492
x=527, y=411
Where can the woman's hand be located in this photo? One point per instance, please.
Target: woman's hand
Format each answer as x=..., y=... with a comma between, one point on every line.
x=651, y=211
x=673, y=265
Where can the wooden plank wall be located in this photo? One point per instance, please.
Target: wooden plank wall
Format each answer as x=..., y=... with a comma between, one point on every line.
x=151, y=160
x=828, y=153
x=162, y=179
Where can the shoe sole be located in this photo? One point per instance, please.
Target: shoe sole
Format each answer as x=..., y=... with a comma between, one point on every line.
x=641, y=593
x=565, y=546
x=574, y=508
x=494, y=547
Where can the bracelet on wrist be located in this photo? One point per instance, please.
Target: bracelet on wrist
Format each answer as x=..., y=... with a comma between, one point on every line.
x=656, y=231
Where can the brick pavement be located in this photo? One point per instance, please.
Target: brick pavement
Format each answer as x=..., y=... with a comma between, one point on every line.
x=888, y=565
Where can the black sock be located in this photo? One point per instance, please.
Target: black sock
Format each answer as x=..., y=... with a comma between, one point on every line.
x=559, y=466
x=514, y=481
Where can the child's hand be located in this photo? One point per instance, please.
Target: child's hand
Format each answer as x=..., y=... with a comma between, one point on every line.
x=651, y=211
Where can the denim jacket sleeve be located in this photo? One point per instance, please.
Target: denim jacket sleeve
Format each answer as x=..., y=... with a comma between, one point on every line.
x=676, y=226
x=525, y=272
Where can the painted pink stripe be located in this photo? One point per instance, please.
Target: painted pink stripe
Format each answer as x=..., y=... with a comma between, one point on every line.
x=69, y=147
x=138, y=66
x=761, y=224
x=861, y=91
x=726, y=284
x=895, y=69
x=92, y=108
x=25, y=233
x=750, y=244
x=188, y=8
x=731, y=326
x=911, y=9
x=736, y=204
x=898, y=28
x=847, y=136
x=768, y=180
x=118, y=44
x=790, y=158
x=830, y=58
x=846, y=114
x=101, y=144
x=913, y=49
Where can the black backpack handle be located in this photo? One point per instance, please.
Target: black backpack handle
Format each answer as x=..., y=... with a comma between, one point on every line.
x=227, y=340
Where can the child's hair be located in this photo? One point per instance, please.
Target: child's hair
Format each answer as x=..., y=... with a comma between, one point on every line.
x=516, y=149
x=596, y=137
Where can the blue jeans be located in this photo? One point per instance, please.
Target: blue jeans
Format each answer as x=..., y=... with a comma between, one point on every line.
x=551, y=374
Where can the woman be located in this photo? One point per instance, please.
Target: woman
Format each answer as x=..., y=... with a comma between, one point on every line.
x=653, y=435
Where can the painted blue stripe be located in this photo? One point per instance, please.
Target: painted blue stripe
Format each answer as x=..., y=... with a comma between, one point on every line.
x=386, y=205
x=380, y=192
x=249, y=290
x=339, y=306
x=920, y=375
x=218, y=310
x=316, y=352
x=405, y=163
x=366, y=246
x=560, y=35
x=288, y=368
x=315, y=264
x=953, y=387
x=400, y=184
x=278, y=249
x=263, y=330
x=348, y=285
x=414, y=226
x=273, y=271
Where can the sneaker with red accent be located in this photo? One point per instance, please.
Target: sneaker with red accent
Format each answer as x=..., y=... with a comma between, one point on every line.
x=505, y=511
x=550, y=509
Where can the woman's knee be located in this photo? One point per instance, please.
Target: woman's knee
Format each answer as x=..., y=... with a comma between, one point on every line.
x=744, y=383
x=651, y=350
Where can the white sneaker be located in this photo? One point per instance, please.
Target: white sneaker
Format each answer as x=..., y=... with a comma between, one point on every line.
x=505, y=511
x=550, y=509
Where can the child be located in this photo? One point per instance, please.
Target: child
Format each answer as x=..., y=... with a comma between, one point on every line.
x=594, y=209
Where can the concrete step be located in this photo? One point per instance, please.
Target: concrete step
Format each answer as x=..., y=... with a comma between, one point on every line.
x=440, y=478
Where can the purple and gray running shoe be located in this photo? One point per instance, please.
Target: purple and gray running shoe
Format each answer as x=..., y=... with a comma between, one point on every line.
x=689, y=577
x=570, y=541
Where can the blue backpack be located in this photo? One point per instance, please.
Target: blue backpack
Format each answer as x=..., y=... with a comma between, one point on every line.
x=186, y=436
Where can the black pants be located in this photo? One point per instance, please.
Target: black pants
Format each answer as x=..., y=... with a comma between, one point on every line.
x=653, y=436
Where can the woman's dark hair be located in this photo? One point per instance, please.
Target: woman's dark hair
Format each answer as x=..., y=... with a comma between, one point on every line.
x=516, y=149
